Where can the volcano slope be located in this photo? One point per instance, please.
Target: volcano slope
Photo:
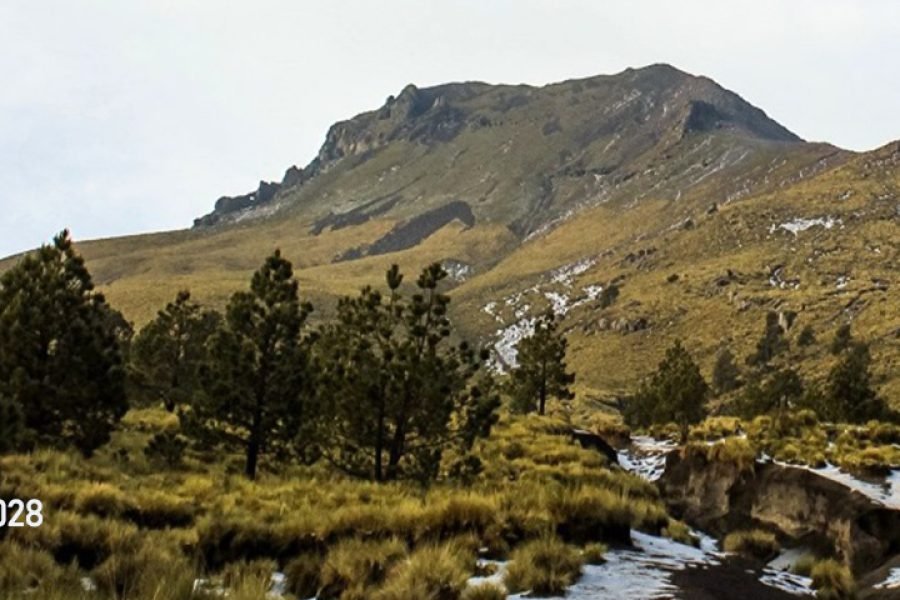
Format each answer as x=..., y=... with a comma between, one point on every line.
x=703, y=212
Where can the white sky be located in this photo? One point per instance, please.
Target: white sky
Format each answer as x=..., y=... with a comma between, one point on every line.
x=126, y=116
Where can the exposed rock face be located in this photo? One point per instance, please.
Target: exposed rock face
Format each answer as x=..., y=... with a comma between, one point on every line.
x=720, y=496
x=226, y=205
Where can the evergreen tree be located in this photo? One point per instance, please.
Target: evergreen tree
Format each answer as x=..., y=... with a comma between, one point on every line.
x=726, y=375
x=167, y=354
x=771, y=344
x=843, y=338
x=11, y=425
x=60, y=357
x=254, y=387
x=807, y=336
x=396, y=392
x=609, y=295
x=541, y=373
x=779, y=392
x=675, y=393
x=848, y=394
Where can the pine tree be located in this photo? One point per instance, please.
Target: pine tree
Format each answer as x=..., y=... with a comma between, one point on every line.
x=779, y=392
x=771, y=344
x=541, y=373
x=807, y=336
x=675, y=393
x=11, y=425
x=255, y=389
x=848, y=394
x=396, y=393
x=60, y=356
x=726, y=375
x=167, y=354
x=843, y=338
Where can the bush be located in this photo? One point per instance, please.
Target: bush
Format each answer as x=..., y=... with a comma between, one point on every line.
x=545, y=566
x=484, y=591
x=755, y=543
x=832, y=580
x=431, y=572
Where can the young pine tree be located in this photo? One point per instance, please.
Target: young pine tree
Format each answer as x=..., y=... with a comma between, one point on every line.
x=726, y=375
x=843, y=338
x=396, y=393
x=848, y=394
x=167, y=354
x=60, y=357
x=541, y=373
x=771, y=344
x=255, y=389
x=780, y=391
x=675, y=393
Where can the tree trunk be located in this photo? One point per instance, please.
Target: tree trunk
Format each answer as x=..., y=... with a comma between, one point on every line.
x=252, y=457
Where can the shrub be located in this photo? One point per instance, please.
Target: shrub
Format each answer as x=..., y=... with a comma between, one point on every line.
x=545, y=566
x=354, y=566
x=430, y=573
x=754, y=543
x=832, y=580
x=484, y=591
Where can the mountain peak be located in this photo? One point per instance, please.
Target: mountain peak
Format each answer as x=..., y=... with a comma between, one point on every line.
x=608, y=126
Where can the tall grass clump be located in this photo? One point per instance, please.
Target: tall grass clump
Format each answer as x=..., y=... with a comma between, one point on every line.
x=353, y=567
x=544, y=566
x=832, y=580
x=754, y=543
x=430, y=573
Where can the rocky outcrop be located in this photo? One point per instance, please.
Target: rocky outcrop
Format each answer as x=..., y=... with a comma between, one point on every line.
x=229, y=205
x=720, y=496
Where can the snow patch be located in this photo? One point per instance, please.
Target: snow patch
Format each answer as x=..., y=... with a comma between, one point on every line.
x=886, y=493
x=646, y=457
x=892, y=582
x=798, y=225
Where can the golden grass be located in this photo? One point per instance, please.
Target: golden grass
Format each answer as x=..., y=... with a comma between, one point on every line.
x=545, y=567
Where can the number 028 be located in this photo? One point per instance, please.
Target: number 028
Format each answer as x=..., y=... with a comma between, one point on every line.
x=19, y=513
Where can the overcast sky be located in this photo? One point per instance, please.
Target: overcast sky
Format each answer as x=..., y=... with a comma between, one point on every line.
x=119, y=117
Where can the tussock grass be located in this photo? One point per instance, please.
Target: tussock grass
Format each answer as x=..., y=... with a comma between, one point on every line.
x=431, y=573
x=832, y=580
x=754, y=543
x=545, y=566
x=484, y=591
x=537, y=483
x=353, y=567
x=594, y=554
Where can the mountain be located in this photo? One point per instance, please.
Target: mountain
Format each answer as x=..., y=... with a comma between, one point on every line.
x=704, y=213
